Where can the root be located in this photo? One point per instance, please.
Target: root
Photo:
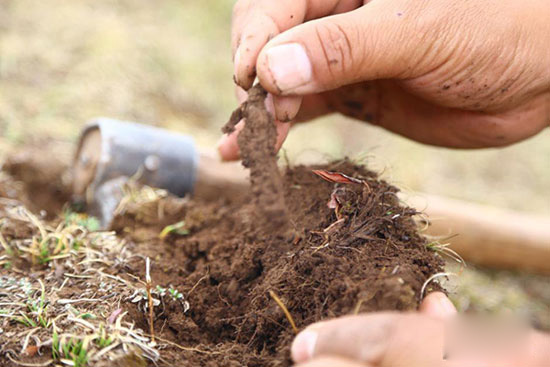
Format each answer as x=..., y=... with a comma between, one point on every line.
x=285, y=311
x=148, y=284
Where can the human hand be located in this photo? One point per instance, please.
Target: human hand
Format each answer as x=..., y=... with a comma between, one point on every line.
x=399, y=339
x=463, y=74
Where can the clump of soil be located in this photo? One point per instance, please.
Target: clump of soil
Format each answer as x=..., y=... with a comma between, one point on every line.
x=41, y=181
x=257, y=146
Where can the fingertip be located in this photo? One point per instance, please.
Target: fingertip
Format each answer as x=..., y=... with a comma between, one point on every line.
x=226, y=149
x=437, y=304
x=227, y=146
x=303, y=347
x=243, y=69
x=240, y=94
x=264, y=74
x=283, y=129
x=286, y=108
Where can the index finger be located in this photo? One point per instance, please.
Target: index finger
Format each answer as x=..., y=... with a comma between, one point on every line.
x=255, y=22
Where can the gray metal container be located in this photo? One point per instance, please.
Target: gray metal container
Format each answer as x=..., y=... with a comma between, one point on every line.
x=109, y=149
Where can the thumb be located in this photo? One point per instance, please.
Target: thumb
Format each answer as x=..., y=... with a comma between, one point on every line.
x=375, y=41
x=380, y=339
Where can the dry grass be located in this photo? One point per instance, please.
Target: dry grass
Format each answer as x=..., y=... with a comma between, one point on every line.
x=62, y=298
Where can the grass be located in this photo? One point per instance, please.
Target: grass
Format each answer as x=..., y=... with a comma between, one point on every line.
x=91, y=223
x=444, y=249
x=72, y=351
x=80, y=326
x=37, y=309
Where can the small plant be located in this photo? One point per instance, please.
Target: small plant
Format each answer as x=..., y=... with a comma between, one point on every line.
x=83, y=220
x=176, y=228
x=74, y=351
x=176, y=295
x=103, y=340
x=38, y=310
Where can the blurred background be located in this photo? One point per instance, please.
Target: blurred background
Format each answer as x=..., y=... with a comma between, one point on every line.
x=168, y=63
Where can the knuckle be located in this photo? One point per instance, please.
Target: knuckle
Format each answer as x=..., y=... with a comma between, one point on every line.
x=336, y=46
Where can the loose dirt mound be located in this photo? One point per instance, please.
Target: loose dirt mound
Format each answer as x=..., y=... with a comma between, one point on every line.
x=367, y=257
x=351, y=247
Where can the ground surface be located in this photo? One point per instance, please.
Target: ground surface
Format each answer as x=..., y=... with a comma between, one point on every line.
x=221, y=284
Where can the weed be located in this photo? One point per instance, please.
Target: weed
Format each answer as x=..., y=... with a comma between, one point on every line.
x=444, y=248
x=176, y=228
x=83, y=220
x=103, y=340
x=38, y=310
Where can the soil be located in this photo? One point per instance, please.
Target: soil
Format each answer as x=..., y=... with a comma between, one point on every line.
x=325, y=249
x=372, y=259
x=257, y=147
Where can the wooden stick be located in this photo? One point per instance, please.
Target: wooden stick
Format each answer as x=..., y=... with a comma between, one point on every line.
x=488, y=236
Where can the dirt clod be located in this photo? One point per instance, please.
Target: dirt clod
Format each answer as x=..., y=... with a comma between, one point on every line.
x=257, y=146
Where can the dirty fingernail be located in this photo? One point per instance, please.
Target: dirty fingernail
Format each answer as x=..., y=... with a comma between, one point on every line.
x=289, y=66
x=286, y=108
x=303, y=346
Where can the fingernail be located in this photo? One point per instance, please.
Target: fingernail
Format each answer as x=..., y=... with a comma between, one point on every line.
x=445, y=306
x=237, y=64
x=289, y=66
x=303, y=346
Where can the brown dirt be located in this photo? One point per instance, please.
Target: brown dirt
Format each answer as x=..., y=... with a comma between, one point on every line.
x=40, y=178
x=365, y=256
x=374, y=260
x=257, y=146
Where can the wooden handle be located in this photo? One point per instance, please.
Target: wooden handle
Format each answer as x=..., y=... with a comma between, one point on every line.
x=489, y=236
